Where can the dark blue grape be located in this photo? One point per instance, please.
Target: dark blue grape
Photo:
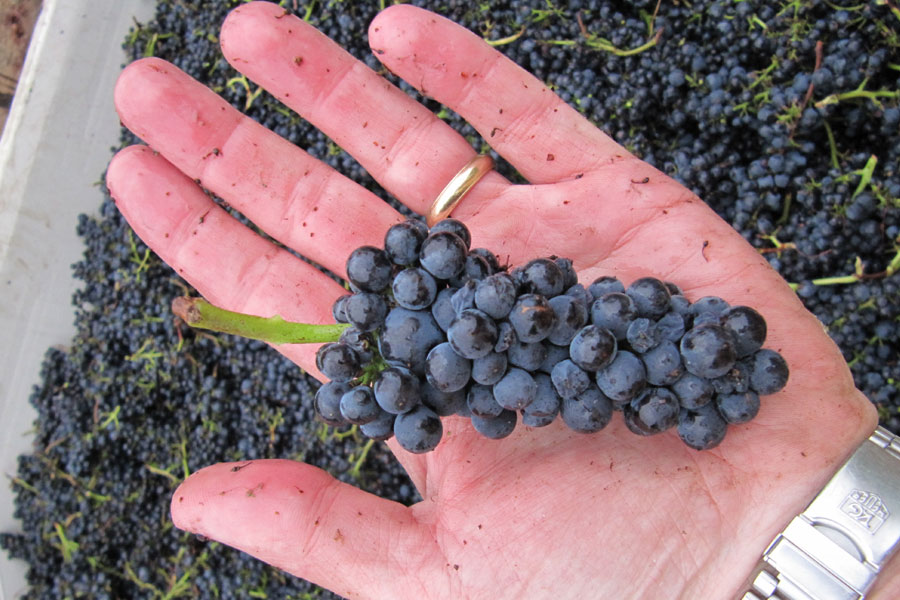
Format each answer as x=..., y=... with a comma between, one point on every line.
x=671, y=326
x=475, y=269
x=366, y=311
x=463, y=297
x=650, y=296
x=569, y=379
x=663, y=364
x=588, y=412
x=414, y=288
x=614, y=311
x=337, y=309
x=528, y=356
x=338, y=361
x=593, y=348
x=542, y=276
x=454, y=226
x=419, y=430
x=633, y=422
x=463, y=410
x=692, y=391
x=709, y=304
x=495, y=295
x=554, y=355
x=708, y=350
x=358, y=405
x=328, y=402
x=369, y=269
x=532, y=318
x=748, y=326
x=443, y=254
x=408, y=336
x=643, y=335
x=515, y=390
x=536, y=421
x=571, y=315
x=446, y=370
x=442, y=309
x=570, y=277
x=581, y=293
x=605, y=285
x=496, y=428
x=653, y=411
x=702, y=428
x=380, y=429
x=443, y=403
x=472, y=334
x=622, y=379
x=546, y=400
x=397, y=390
x=673, y=288
x=681, y=305
x=403, y=241
x=488, y=369
x=506, y=336
x=489, y=257
x=736, y=380
x=770, y=372
x=480, y=401
x=738, y=407
x=705, y=318
x=359, y=341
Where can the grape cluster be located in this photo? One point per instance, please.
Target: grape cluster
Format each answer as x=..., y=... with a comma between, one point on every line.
x=436, y=328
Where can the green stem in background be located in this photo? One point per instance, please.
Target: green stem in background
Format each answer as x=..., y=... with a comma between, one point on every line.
x=865, y=175
x=832, y=145
x=358, y=463
x=508, y=39
x=894, y=265
x=598, y=43
x=859, y=273
x=66, y=546
x=199, y=313
x=859, y=93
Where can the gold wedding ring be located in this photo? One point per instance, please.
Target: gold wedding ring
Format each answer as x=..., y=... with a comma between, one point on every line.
x=461, y=183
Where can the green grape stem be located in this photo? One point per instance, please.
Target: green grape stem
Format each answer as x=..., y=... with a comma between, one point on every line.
x=200, y=314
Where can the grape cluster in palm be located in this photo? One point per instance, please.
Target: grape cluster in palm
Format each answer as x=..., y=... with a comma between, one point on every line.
x=437, y=328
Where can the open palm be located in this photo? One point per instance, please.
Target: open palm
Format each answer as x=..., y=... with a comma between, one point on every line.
x=544, y=512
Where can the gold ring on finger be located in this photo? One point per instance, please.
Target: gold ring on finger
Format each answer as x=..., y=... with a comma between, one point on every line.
x=457, y=187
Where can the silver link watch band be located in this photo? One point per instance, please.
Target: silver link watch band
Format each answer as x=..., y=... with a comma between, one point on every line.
x=835, y=548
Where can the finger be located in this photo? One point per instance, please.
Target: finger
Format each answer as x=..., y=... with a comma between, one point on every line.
x=542, y=136
x=295, y=198
x=300, y=519
x=228, y=263
x=405, y=147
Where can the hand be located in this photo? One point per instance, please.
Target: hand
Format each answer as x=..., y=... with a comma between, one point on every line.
x=542, y=513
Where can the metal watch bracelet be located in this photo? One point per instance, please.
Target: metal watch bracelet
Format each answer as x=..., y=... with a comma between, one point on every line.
x=835, y=548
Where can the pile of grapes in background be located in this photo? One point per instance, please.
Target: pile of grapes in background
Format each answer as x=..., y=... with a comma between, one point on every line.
x=783, y=116
x=437, y=328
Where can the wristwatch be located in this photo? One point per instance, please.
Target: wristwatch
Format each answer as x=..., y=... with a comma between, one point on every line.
x=835, y=548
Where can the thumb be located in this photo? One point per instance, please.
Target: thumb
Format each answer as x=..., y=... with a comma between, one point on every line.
x=300, y=519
